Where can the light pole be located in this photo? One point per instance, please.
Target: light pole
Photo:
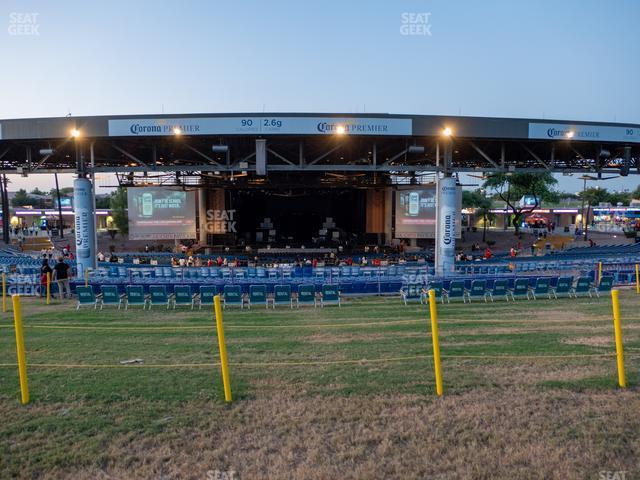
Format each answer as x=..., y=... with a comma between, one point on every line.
x=585, y=218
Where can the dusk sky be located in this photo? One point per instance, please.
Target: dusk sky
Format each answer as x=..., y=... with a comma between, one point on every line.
x=573, y=59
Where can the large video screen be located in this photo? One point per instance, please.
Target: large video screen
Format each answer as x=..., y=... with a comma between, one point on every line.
x=157, y=213
x=416, y=212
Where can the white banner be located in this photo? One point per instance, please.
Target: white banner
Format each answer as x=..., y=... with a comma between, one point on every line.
x=590, y=133
x=133, y=127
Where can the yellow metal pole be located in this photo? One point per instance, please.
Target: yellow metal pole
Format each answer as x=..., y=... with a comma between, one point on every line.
x=637, y=278
x=48, y=288
x=599, y=272
x=22, y=358
x=223, y=348
x=618, y=334
x=433, y=310
x=4, y=292
x=86, y=277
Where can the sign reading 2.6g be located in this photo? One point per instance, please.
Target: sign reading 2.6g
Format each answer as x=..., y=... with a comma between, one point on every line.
x=271, y=123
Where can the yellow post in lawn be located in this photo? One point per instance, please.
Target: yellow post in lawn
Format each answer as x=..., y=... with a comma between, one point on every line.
x=433, y=310
x=4, y=292
x=618, y=334
x=637, y=278
x=48, y=288
x=599, y=272
x=224, y=364
x=22, y=358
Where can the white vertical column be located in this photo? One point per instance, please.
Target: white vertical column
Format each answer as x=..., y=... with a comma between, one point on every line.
x=85, y=226
x=446, y=204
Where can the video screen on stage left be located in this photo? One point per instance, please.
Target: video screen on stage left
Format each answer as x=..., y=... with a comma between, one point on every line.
x=157, y=213
x=416, y=213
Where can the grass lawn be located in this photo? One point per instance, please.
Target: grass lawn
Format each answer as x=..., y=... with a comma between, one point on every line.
x=530, y=392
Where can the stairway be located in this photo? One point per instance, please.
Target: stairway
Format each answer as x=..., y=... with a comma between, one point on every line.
x=34, y=244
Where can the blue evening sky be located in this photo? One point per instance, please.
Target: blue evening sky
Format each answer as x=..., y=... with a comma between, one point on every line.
x=570, y=59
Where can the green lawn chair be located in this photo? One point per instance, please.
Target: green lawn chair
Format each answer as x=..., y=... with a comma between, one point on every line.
x=158, y=296
x=282, y=295
x=606, y=283
x=258, y=295
x=232, y=295
x=110, y=296
x=478, y=290
x=135, y=296
x=86, y=297
x=306, y=295
x=207, y=292
x=500, y=288
x=329, y=295
x=520, y=289
x=541, y=288
x=436, y=287
x=563, y=287
x=455, y=291
x=582, y=287
x=182, y=296
x=412, y=292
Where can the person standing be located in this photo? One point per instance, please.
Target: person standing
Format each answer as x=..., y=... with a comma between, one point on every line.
x=61, y=276
x=44, y=270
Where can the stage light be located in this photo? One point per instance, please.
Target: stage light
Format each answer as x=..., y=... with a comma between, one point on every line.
x=340, y=130
x=177, y=131
x=570, y=134
x=447, y=132
x=75, y=133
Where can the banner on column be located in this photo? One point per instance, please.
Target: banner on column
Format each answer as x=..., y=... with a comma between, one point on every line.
x=446, y=232
x=84, y=224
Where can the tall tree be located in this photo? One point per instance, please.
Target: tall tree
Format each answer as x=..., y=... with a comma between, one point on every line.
x=476, y=199
x=512, y=187
x=118, y=203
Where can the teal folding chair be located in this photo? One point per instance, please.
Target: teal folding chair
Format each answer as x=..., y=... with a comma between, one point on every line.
x=605, y=286
x=158, y=296
x=282, y=295
x=563, y=287
x=455, y=291
x=135, y=297
x=306, y=295
x=257, y=295
x=110, y=296
x=232, y=296
x=520, y=289
x=478, y=290
x=182, y=296
x=329, y=295
x=499, y=289
x=207, y=292
x=86, y=297
x=412, y=292
x=582, y=287
x=540, y=289
x=437, y=287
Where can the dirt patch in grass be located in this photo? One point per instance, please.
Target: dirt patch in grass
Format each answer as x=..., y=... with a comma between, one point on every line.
x=532, y=373
x=595, y=341
x=501, y=434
